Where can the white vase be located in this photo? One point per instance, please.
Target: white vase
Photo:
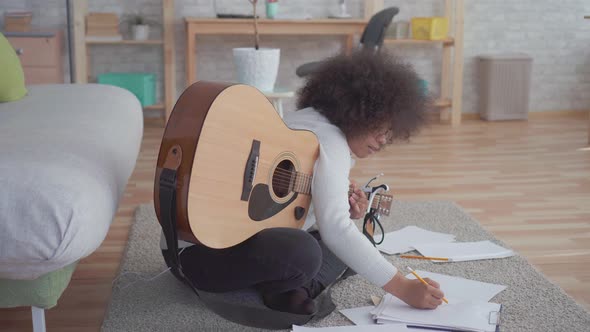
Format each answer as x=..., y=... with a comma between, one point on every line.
x=257, y=68
x=140, y=32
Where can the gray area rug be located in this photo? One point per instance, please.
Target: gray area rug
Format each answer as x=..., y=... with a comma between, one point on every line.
x=530, y=303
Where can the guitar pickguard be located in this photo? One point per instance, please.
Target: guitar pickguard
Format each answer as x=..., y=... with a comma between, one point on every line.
x=261, y=206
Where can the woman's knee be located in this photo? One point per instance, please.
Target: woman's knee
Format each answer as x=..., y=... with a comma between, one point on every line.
x=295, y=247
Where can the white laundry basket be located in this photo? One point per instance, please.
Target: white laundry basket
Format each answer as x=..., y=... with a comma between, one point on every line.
x=504, y=86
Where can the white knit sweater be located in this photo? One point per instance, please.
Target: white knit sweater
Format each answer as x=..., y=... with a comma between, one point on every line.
x=329, y=204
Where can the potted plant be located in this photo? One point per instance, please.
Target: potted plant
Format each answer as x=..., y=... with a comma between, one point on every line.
x=257, y=66
x=140, y=26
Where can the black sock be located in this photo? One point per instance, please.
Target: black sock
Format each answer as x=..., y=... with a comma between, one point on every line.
x=295, y=301
x=314, y=288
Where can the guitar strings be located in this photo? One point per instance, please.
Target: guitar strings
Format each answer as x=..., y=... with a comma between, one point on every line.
x=286, y=175
x=282, y=176
x=284, y=183
x=287, y=179
x=300, y=176
x=291, y=177
x=284, y=179
x=284, y=171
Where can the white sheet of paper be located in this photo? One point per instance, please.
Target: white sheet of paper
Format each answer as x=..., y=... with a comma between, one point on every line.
x=360, y=315
x=403, y=240
x=473, y=316
x=464, y=251
x=458, y=289
x=354, y=328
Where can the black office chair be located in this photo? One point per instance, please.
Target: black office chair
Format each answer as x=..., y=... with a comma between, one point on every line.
x=371, y=39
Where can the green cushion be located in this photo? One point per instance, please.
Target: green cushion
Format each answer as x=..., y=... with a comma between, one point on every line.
x=12, y=80
x=42, y=292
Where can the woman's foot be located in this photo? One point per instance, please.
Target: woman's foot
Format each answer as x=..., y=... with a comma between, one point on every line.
x=296, y=301
x=314, y=288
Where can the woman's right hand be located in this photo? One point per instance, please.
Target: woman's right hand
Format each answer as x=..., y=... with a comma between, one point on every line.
x=414, y=292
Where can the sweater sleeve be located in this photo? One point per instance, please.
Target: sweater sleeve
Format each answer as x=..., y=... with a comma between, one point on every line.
x=339, y=233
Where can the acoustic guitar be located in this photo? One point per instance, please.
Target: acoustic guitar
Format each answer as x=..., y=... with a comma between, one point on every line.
x=239, y=168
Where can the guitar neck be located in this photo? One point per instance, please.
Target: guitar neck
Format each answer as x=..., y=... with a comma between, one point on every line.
x=381, y=202
x=301, y=183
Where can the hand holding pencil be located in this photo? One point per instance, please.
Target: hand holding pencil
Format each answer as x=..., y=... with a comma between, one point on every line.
x=414, y=292
x=424, y=281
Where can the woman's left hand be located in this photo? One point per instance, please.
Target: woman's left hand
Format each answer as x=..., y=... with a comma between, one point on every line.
x=358, y=202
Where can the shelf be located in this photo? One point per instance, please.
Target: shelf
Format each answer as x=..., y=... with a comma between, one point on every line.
x=154, y=107
x=83, y=45
x=445, y=42
x=448, y=103
x=443, y=103
x=126, y=42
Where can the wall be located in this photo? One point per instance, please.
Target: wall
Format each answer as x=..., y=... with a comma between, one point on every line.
x=554, y=33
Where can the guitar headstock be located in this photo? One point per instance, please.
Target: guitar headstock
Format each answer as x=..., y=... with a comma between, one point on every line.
x=382, y=203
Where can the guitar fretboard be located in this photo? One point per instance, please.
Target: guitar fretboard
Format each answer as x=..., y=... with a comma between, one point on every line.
x=301, y=183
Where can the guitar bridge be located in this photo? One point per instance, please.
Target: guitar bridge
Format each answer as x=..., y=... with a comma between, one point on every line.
x=250, y=170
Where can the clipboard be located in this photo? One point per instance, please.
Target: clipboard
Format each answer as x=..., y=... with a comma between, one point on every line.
x=481, y=316
x=494, y=318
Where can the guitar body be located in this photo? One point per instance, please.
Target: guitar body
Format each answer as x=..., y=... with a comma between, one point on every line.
x=238, y=165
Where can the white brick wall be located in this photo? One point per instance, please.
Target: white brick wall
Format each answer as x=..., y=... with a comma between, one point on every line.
x=554, y=33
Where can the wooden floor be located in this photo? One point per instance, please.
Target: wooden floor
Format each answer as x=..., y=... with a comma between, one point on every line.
x=526, y=182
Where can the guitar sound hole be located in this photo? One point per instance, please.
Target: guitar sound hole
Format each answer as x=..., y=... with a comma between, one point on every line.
x=283, y=178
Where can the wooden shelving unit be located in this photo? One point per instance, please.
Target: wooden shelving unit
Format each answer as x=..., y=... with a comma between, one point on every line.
x=154, y=107
x=445, y=42
x=443, y=103
x=126, y=42
x=82, y=54
x=450, y=100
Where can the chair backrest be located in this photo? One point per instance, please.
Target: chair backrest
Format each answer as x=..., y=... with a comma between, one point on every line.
x=372, y=37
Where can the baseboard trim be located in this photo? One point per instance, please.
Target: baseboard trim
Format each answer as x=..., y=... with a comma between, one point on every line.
x=558, y=113
x=539, y=114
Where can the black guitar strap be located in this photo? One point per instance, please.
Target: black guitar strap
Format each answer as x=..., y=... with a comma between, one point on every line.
x=168, y=215
x=167, y=184
x=167, y=196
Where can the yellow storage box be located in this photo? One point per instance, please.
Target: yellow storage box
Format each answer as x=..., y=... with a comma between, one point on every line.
x=430, y=28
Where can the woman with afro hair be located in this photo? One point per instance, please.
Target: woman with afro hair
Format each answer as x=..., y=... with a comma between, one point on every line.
x=356, y=105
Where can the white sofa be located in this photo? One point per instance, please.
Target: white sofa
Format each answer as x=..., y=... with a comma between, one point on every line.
x=66, y=154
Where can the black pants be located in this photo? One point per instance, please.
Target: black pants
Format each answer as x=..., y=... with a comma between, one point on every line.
x=274, y=260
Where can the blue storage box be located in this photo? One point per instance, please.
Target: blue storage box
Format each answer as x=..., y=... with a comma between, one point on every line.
x=142, y=85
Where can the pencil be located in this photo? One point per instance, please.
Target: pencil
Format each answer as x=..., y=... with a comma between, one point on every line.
x=424, y=257
x=423, y=281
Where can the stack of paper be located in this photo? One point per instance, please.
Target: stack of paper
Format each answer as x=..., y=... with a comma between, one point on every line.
x=405, y=239
x=462, y=316
x=374, y=328
x=360, y=315
x=464, y=251
x=457, y=290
